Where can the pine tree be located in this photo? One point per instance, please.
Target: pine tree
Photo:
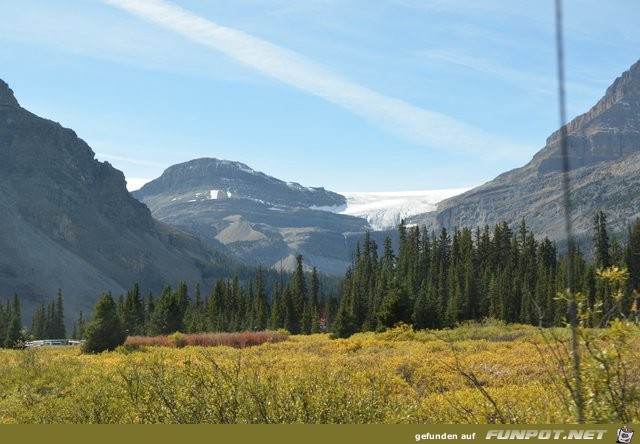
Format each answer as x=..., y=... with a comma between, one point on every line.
x=297, y=298
x=59, y=330
x=344, y=324
x=314, y=301
x=14, y=337
x=601, y=241
x=149, y=311
x=394, y=308
x=39, y=322
x=79, y=327
x=133, y=311
x=260, y=306
x=278, y=309
x=632, y=254
x=196, y=317
x=169, y=311
x=105, y=332
x=217, y=306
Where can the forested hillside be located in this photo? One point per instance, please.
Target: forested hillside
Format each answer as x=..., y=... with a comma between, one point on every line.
x=437, y=280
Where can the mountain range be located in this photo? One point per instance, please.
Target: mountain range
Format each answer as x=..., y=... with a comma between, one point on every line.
x=261, y=220
x=69, y=222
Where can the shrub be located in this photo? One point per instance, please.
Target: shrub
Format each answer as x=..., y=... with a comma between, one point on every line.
x=177, y=339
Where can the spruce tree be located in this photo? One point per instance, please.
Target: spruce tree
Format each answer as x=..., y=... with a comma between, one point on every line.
x=133, y=311
x=260, y=306
x=105, y=332
x=632, y=254
x=14, y=337
x=314, y=301
x=601, y=241
x=4, y=322
x=39, y=322
x=169, y=311
x=79, y=326
x=58, y=328
x=277, y=315
x=344, y=324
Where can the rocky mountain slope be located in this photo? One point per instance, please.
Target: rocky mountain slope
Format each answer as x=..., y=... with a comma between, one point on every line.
x=255, y=217
x=604, y=149
x=69, y=222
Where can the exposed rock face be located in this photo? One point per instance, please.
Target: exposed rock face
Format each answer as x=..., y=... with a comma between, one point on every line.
x=604, y=150
x=68, y=221
x=7, y=99
x=257, y=218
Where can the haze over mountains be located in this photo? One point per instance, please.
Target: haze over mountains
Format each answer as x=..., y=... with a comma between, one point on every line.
x=604, y=148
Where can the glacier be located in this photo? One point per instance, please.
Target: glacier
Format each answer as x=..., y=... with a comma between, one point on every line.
x=385, y=209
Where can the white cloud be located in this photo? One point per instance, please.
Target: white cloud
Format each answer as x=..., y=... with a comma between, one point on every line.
x=418, y=125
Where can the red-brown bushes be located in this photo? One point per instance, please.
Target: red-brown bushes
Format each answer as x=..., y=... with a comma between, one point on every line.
x=237, y=340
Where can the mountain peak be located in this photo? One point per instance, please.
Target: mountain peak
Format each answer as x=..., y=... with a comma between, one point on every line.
x=200, y=177
x=7, y=99
x=604, y=156
x=608, y=131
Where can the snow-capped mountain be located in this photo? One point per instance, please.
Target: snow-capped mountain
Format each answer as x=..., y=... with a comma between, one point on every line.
x=384, y=210
x=260, y=219
x=254, y=217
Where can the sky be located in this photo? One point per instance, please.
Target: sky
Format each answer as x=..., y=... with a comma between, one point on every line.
x=350, y=95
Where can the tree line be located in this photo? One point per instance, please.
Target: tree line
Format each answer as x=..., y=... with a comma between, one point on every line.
x=296, y=304
x=439, y=280
x=47, y=323
x=432, y=281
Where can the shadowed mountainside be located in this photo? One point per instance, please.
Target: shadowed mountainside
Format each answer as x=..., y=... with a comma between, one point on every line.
x=69, y=222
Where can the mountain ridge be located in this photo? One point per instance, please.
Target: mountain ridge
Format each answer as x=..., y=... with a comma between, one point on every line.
x=237, y=180
x=70, y=223
x=603, y=145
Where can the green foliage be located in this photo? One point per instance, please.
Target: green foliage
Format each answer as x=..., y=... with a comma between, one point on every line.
x=597, y=370
x=105, y=332
x=14, y=337
x=48, y=320
x=178, y=339
x=441, y=280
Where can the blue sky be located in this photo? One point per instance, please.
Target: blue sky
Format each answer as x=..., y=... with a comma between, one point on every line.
x=352, y=95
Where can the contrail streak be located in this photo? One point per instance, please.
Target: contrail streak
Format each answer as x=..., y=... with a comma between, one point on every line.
x=410, y=122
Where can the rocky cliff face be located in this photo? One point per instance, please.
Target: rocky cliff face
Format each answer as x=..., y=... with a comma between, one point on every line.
x=255, y=217
x=68, y=221
x=604, y=156
x=608, y=131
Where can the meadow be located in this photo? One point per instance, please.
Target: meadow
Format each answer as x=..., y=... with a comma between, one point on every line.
x=475, y=373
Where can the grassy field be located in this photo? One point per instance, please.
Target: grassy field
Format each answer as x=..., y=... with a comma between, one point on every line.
x=473, y=374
